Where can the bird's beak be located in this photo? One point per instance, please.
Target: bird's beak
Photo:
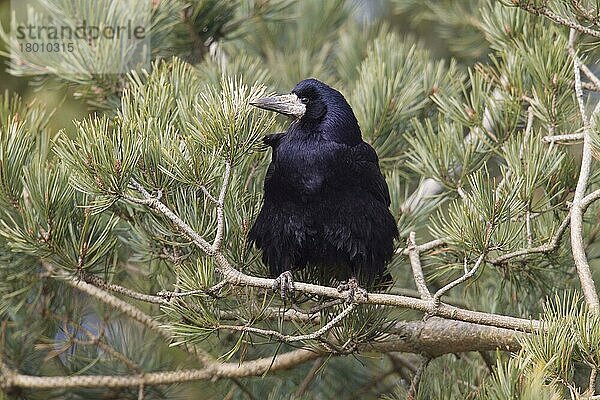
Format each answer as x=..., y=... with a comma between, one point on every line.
x=287, y=104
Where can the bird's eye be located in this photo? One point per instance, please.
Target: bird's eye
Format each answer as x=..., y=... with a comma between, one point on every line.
x=304, y=100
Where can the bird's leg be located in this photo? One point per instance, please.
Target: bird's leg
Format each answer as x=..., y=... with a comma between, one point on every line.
x=285, y=284
x=354, y=291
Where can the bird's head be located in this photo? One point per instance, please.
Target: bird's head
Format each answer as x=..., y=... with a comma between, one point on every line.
x=314, y=103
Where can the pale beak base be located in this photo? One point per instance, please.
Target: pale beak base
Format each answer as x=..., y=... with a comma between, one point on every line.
x=287, y=104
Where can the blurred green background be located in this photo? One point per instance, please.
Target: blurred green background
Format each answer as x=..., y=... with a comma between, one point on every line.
x=405, y=16
x=52, y=95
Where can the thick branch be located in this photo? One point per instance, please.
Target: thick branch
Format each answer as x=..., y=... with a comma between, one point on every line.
x=437, y=336
x=214, y=371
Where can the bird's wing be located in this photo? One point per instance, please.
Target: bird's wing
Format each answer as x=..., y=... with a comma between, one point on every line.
x=273, y=139
x=366, y=166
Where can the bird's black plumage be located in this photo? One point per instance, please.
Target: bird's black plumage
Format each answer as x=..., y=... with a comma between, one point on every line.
x=325, y=199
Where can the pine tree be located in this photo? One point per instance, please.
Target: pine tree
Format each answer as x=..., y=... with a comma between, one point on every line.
x=124, y=265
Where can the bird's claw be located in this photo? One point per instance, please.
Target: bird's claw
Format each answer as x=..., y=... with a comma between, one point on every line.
x=353, y=291
x=285, y=284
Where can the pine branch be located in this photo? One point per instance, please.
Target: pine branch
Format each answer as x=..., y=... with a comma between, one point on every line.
x=292, y=338
x=423, y=248
x=96, y=340
x=112, y=287
x=433, y=337
x=12, y=379
x=543, y=10
x=211, y=291
x=220, y=208
x=577, y=243
x=415, y=262
x=591, y=390
x=131, y=311
x=128, y=309
x=545, y=248
x=467, y=275
x=238, y=278
x=569, y=137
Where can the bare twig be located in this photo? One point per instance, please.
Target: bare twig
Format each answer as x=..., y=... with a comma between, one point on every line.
x=141, y=391
x=570, y=137
x=243, y=388
x=467, y=274
x=577, y=243
x=291, y=338
x=545, y=248
x=592, y=383
x=589, y=199
x=414, y=384
x=403, y=361
x=97, y=341
x=528, y=228
x=423, y=248
x=415, y=262
x=318, y=308
x=212, y=198
x=211, y=291
x=128, y=309
x=310, y=376
x=372, y=384
x=522, y=147
x=230, y=393
x=102, y=284
x=274, y=313
x=590, y=86
x=220, y=209
x=527, y=134
x=591, y=76
x=154, y=203
x=528, y=214
x=551, y=15
x=489, y=361
x=463, y=195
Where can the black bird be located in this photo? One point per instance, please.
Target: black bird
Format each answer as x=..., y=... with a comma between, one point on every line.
x=325, y=199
